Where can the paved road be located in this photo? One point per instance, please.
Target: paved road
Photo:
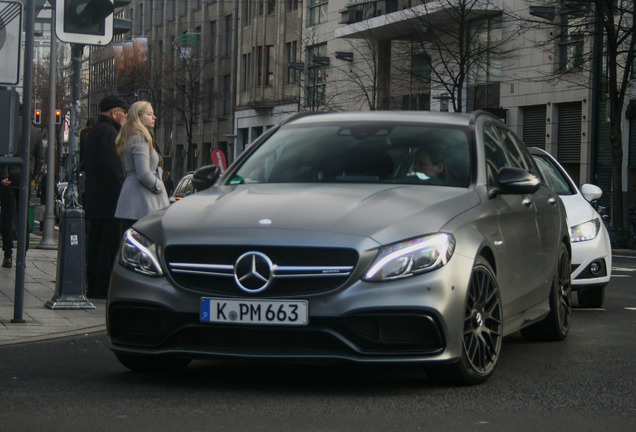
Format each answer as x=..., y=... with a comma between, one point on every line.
x=583, y=384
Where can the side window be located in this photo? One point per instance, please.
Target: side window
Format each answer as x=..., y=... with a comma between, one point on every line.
x=523, y=152
x=496, y=157
x=517, y=155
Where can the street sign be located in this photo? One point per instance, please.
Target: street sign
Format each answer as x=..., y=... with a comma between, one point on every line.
x=10, y=41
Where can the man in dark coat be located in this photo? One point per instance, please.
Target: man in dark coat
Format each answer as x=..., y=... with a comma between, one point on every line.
x=9, y=187
x=104, y=176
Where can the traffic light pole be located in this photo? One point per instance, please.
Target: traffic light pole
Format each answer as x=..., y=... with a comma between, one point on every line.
x=48, y=229
x=71, y=272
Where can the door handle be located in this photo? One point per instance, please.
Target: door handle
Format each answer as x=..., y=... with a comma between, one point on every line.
x=552, y=200
x=527, y=202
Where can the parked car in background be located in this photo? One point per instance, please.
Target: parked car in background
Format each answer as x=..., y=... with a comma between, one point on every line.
x=183, y=189
x=371, y=237
x=591, y=246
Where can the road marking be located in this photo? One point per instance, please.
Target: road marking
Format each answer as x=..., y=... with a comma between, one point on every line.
x=625, y=269
x=631, y=308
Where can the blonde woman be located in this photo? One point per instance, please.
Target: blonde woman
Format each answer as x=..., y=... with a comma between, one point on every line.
x=143, y=191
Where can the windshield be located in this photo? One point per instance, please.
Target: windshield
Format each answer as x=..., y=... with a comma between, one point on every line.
x=361, y=153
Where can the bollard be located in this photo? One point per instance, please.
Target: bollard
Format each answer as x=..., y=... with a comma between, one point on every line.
x=69, y=286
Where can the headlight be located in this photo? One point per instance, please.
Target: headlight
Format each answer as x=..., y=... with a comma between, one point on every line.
x=139, y=253
x=585, y=231
x=411, y=257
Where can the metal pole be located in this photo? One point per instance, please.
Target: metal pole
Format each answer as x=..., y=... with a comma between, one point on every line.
x=71, y=273
x=18, y=305
x=48, y=230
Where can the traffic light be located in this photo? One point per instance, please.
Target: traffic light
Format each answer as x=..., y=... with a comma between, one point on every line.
x=58, y=116
x=37, y=116
x=121, y=25
x=86, y=22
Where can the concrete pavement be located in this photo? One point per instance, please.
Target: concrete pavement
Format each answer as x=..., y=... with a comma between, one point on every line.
x=39, y=287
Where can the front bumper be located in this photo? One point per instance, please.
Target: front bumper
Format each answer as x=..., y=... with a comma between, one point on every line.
x=592, y=262
x=415, y=319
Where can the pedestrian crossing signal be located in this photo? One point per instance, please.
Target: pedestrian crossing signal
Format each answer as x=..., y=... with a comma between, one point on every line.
x=58, y=116
x=37, y=116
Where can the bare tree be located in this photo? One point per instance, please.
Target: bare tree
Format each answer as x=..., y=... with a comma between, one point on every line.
x=462, y=39
x=41, y=87
x=597, y=38
x=360, y=67
x=176, y=86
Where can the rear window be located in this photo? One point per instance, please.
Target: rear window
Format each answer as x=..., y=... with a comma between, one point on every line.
x=361, y=153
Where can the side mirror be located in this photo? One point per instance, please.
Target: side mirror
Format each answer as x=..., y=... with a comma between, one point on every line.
x=205, y=176
x=591, y=192
x=517, y=181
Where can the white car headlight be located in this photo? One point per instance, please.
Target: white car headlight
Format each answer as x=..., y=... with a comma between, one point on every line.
x=585, y=231
x=411, y=257
x=139, y=253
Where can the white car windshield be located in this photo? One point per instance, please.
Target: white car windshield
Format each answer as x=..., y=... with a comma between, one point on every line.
x=361, y=153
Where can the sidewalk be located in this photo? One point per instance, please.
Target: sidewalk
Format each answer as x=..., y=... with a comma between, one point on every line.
x=39, y=287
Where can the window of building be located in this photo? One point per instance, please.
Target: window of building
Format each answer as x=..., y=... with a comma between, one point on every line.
x=269, y=65
x=246, y=12
x=228, y=35
x=292, y=5
x=317, y=75
x=271, y=6
x=211, y=97
x=212, y=40
x=571, y=43
x=246, y=71
x=291, y=56
x=227, y=94
x=139, y=24
x=317, y=12
x=261, y=7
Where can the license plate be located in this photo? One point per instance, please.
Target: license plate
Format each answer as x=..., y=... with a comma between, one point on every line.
x=272, y=312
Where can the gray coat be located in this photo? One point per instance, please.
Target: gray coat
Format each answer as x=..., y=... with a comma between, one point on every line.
x=143, y=191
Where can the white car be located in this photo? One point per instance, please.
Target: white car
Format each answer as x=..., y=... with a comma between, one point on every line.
x=591, y=247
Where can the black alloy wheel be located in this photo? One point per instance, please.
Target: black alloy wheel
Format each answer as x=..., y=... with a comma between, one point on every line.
x=482, y=332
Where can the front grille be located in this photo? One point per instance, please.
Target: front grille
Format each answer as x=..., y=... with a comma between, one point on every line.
x=358, y=335
x=297, y=270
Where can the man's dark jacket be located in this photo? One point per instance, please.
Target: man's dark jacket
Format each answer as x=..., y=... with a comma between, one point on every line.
x=103, y=169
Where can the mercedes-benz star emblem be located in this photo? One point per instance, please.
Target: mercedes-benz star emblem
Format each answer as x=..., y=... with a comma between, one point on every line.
x=253, y=272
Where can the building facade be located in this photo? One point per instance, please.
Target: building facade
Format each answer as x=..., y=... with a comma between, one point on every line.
x=260, y=61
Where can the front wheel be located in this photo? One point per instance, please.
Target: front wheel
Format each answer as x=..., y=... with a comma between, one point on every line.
x=556, y=325
x=482, y=333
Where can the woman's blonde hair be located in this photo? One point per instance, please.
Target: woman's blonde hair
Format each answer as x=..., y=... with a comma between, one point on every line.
x=134, y=126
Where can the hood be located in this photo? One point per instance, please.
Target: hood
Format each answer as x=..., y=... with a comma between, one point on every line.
x=315, y=213
x=578, y=209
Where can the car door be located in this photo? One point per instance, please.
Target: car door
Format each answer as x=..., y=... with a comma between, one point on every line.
x=518, y=244
x=548, y=217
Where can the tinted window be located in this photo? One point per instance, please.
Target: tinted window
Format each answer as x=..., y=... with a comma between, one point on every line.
x=362, y=153
x=553, y=177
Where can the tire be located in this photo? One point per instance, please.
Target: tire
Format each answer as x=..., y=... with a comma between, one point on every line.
x=556, y=325
x=152, y=363
x=482, y=334
x=591, y=298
